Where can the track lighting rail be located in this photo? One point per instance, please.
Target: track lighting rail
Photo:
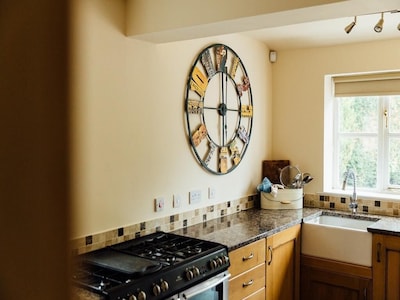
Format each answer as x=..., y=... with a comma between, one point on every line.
x=378, y=26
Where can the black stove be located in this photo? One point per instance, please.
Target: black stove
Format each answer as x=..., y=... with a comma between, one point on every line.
x=154, y=266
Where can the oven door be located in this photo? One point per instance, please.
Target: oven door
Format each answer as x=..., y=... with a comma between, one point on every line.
x=215, y=288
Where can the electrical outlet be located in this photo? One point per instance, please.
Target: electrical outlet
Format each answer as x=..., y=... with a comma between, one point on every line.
x=211, y=193
x=194, y=196
x=177, y=200
x=159, y=204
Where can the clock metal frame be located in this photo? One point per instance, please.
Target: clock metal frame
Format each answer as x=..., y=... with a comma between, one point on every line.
x=219, y=109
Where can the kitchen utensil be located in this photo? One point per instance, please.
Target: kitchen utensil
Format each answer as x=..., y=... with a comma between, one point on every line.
x=306, y=178
x=291, y=177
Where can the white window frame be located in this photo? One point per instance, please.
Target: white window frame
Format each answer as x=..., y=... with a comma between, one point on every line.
x=330, y=160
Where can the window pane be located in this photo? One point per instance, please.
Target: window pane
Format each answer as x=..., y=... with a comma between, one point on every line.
x=360, y=154
x=358, y=114
x=394, y=116
x=394, y=161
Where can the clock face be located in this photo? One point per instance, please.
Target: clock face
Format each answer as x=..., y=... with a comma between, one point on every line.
x=219, y=109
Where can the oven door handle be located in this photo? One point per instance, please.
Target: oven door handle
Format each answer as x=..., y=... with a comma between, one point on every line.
x=204, y=286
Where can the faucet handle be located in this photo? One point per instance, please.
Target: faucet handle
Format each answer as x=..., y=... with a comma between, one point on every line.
x=353, y=205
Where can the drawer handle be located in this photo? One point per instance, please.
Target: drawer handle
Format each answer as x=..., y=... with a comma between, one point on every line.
x=271, y=253
x=248, y=283
x=248, y=257
x=378, y=252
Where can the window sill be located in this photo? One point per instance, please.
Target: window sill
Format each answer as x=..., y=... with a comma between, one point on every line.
x=363, y=195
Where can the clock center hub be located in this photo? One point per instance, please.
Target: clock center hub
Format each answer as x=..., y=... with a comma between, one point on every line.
x=222, y=109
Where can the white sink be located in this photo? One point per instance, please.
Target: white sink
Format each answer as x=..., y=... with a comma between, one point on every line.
x=341, y=238
x=343, y=221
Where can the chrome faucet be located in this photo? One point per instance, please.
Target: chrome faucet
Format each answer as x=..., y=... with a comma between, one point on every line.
x=353, y=199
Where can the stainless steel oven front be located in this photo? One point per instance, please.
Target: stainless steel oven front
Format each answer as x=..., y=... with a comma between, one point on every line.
x=215, y=288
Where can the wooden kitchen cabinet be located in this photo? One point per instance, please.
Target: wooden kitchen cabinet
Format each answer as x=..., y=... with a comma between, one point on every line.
x=248, y=272
x=386, y=267
x=283, y=265
x=328, y=279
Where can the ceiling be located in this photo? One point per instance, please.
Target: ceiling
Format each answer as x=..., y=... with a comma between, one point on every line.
x=329, y=32
x=280, y=24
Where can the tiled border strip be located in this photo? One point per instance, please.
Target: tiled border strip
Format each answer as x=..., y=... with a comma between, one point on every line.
x=167, y=224
x=181, y=220
x=375, y=207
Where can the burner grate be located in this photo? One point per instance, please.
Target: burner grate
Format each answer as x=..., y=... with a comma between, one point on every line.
x=167, y=249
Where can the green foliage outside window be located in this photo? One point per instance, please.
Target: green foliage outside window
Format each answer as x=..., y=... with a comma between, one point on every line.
x=363, y=136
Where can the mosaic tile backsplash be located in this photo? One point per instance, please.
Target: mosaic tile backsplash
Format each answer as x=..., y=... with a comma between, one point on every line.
x=375, y=207
x=185, y=219
x=167, y=224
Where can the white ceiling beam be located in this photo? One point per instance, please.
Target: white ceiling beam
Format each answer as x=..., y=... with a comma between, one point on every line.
x=161, y=21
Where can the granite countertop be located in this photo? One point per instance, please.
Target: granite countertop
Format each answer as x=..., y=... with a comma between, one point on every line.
x=386, y=226
x=247, y=226
x=79, y=293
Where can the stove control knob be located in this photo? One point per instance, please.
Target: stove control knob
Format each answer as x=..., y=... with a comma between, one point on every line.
x=189, y=275
x=225, y=259
x=219, y=261
x=132, y=297
x=156, y=290
x=142, y=295
x=213, y=264
x=164, y=286
x=196, y=271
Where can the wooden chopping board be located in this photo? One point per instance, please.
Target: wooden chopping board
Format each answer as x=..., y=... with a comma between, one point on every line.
x=272, y=169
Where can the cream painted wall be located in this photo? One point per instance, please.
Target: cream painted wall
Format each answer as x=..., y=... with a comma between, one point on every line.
x=129, y=140
x=298, y=97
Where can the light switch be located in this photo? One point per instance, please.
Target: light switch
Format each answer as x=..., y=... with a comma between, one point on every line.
x=159, y=204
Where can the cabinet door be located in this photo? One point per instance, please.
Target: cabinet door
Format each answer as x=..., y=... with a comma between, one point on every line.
x=324, y=279
x=386, y=267
x=283, y=265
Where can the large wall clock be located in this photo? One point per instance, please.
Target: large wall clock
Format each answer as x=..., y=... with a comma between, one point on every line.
x=219, y=109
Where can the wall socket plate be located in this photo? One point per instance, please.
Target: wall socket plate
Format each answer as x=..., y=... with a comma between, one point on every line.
x=159, y=204
x=211, y=192
x=177, y=201
x=194, y=196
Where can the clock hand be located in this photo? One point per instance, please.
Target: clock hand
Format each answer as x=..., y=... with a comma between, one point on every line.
x=226, y=105
x=222, y=107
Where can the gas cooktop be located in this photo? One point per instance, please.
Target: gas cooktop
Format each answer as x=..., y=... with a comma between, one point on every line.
x=155, y=266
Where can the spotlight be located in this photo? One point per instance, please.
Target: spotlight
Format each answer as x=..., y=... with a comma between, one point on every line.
x=349, y=27
x=379, y=26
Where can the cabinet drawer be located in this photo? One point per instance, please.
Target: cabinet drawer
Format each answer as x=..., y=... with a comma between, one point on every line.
x=259, y=295
x=247, y=283
x=247, y=257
